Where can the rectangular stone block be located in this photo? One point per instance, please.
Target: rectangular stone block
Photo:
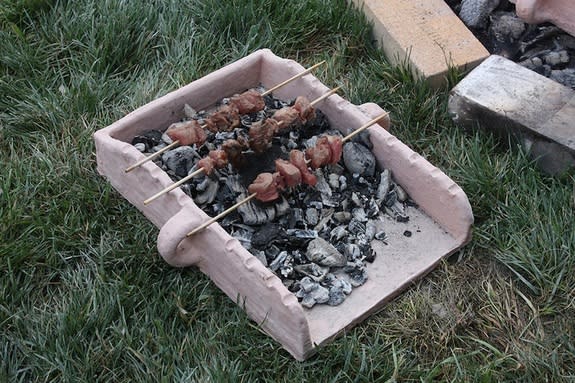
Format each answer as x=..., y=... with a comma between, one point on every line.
x=508, y=99
x=424, y=33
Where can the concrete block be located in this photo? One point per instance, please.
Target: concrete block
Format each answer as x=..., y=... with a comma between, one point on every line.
x=424, y=33
x=510, y=100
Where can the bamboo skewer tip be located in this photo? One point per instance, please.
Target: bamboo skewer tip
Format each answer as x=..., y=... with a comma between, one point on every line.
x=222, y=214
x=151, y=156
x=173, y=186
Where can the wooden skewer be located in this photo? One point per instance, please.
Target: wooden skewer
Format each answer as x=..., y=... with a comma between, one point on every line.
x=301, y=74
x=222, y=214
x=363, y=127
x=152, y=156
x=324, y=96
x=253, y=195
x=196, y=172
x=173, y=186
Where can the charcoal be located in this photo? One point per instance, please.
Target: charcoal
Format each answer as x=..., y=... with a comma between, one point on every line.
x=383, y=187
x=338, y=233
x=312, y=270
x=342, y=216
x=355, y=227
x=352, y=252
x=401, y=194
x=311, y=216
x=267, y=234
x=189, y=112
x=356, y=272
x=397, y=211
x=179, y=160
x=381, y=236
x=338, y=291
x=311, y=293
x=209, y=193
x=149, y=139
x=278, y=261
x=140, y=146
x=256, y=214
x=359, y=214
x=324, y=254
x=261, y=256
x=358, y=159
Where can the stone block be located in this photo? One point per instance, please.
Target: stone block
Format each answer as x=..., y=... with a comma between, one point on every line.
x=425, y=34
x=503, y=97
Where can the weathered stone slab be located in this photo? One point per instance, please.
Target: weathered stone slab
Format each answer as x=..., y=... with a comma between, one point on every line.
x=424, y=33
x=510, y=100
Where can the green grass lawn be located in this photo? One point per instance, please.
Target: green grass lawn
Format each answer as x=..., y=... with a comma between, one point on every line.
x=84, y=296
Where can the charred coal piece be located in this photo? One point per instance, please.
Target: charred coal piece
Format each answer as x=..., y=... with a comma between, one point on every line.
x=149, y=139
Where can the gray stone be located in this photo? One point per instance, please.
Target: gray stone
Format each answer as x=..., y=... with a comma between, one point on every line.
x=506, y=26
x=474, y=13
x=516, y=102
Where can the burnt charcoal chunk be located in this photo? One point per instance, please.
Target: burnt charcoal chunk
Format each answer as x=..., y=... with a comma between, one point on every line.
x=150, y=138
x=268, y=234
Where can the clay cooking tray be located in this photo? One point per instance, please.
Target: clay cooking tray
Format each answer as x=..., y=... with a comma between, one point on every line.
x=440, y=225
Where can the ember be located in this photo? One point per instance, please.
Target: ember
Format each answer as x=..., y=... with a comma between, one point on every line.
x=313, y=228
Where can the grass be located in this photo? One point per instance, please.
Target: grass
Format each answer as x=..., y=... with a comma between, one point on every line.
x=84, y=295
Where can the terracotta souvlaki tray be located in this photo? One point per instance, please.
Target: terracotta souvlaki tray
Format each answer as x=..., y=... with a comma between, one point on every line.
x=441, y=224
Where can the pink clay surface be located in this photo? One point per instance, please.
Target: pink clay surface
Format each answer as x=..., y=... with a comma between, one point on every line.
x=441, y=225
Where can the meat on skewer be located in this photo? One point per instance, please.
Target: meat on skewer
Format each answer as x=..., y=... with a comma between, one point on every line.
x=327, y=150
x=301, y=112
x=261, y=134
x=187, y=133
x=215, y=159
x=267, y=185
x=250, y=101
x=225, y=119
x=297, y=158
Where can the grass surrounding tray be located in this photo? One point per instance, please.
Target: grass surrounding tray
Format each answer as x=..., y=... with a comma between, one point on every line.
x=84, y=295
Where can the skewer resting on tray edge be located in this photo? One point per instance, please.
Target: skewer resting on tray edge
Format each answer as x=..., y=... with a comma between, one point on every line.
x=269, y=91
x=253, y=195
x=200, y=170
x=152, y=156
x=301, y=74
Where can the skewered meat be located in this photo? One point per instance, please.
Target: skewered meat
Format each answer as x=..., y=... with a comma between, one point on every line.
x=305, y=111
x=266, y=186
x=297, y=158
x=287, y=116
x=290, y=173
x=320, y=154
x=187, y=132
x=250, y=101
x=261, y=134
x=225, y=119
x=233, y=149
x=336, y=147
x=327, y=150
x=215, y=159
